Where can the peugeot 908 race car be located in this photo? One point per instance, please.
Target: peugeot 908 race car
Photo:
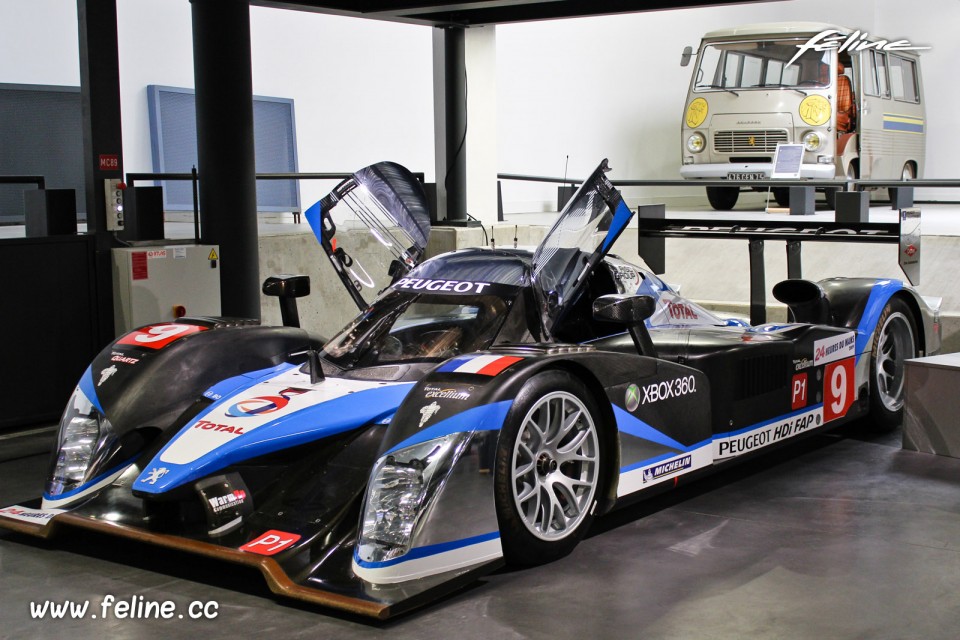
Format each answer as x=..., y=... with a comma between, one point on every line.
x=484, y=408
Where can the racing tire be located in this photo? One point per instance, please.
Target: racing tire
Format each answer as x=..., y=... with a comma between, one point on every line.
x=723, y=198
x=548, y=470
x=894, y=342
x=782, y=196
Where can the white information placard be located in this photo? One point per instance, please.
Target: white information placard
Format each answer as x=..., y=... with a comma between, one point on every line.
x=787, y=161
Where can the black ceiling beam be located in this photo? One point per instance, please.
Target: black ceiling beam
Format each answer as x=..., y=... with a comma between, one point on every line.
x=489, y=12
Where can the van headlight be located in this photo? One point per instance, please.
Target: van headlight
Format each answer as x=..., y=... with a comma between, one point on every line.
x=812, y=141
x=696, y=142
x=402, y=487
x=85, y=435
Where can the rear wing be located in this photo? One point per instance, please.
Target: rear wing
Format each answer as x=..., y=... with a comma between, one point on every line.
x=654, y=229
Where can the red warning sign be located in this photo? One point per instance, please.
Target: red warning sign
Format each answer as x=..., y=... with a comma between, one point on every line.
x=138, y=263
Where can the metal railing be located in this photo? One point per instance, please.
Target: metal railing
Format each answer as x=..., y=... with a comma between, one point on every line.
x=194, y=177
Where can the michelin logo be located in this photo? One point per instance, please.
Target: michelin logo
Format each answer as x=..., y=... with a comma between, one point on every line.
x=835, y=348
x=664, y=469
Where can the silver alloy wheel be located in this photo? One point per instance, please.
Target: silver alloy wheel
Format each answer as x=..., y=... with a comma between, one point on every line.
x=555, y=466
x=907, y=173
x=894, y=346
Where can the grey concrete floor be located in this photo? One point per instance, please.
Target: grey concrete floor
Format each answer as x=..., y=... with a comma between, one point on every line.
x=839, y=536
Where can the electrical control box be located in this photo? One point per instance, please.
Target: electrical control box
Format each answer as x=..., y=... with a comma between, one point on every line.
x=162, y=283
x=113, y=192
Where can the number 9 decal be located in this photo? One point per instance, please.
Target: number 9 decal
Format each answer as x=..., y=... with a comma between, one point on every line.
x=158, y=336
x=839, y=389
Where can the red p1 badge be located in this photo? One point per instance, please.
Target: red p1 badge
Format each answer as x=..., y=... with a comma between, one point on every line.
x=798, y=389
x=271, y=543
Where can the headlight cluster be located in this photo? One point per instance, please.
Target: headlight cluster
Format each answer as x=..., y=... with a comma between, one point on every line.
x=401, y=488
x=811, y=140
x=83, y=432
x=696, y=142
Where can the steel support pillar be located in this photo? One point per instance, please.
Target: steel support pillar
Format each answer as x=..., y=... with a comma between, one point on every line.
x=102, y=139
x=225, y=151
x=450, y=107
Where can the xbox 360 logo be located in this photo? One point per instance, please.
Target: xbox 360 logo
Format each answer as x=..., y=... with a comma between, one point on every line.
x=632, y=397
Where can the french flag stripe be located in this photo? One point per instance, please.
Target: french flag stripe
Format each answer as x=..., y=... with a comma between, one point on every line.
x=498, y=365
x=483, y=365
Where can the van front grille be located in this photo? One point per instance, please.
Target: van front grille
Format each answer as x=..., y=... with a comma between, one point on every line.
x=749, y=141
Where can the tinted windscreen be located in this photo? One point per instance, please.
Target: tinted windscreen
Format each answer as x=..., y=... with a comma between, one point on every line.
x=409, y=326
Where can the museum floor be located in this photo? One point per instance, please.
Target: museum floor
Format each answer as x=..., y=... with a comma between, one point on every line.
x=839, y=536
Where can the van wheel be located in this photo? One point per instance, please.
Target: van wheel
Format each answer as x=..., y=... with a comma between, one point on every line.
x=906, y=174
x=723, y=198
x=830, y=193
x=782, y=196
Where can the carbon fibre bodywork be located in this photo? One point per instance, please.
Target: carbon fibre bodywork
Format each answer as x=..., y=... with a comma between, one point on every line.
x=363, y=474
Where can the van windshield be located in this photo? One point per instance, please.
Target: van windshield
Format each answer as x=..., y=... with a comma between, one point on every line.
x=761, y=64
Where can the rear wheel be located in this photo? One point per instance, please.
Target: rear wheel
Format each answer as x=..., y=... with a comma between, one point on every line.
x=894, y=342
x=723, y=198
x=548, y=472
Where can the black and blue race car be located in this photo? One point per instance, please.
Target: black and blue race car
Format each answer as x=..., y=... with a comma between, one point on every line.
x=484, y=408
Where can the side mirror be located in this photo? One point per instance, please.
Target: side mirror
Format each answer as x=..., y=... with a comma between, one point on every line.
x=288, y=288
x=630, y=311
x=685, y=56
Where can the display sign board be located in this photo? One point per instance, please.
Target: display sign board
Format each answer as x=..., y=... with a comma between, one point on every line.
x=787, y=161
x=910, y=245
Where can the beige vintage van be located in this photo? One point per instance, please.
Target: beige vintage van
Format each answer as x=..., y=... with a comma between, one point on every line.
x=853, y=100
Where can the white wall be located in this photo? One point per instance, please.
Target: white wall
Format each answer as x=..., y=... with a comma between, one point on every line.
x=362, y=89
x=613, y=87
x=591, y=88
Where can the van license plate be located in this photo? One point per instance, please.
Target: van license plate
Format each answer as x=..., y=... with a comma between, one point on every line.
x=745, y=176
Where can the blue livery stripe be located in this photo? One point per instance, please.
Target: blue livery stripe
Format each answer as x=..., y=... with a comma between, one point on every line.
x=89, y=390
x=880, y=294
x=662, y=456
x=621, y=218
x=767, y=423
x=90, y=483
x=314, y=219
x=486, y=417
x=428, y=550
x=628, y=423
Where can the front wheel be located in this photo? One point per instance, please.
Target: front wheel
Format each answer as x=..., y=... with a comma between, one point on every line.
x=723, y=198
x=548, y=470
x=894, y=342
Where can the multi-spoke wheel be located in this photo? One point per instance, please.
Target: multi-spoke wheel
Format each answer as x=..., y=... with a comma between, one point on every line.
x=549, y=468
x=894, y=342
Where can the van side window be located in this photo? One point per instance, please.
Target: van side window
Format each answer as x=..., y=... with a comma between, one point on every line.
x=875, y=73
x=903, y=79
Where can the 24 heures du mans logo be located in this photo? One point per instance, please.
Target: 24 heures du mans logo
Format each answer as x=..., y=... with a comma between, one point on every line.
x=852, y=42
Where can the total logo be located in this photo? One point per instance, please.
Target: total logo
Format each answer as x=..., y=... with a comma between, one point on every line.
x=263, y=404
